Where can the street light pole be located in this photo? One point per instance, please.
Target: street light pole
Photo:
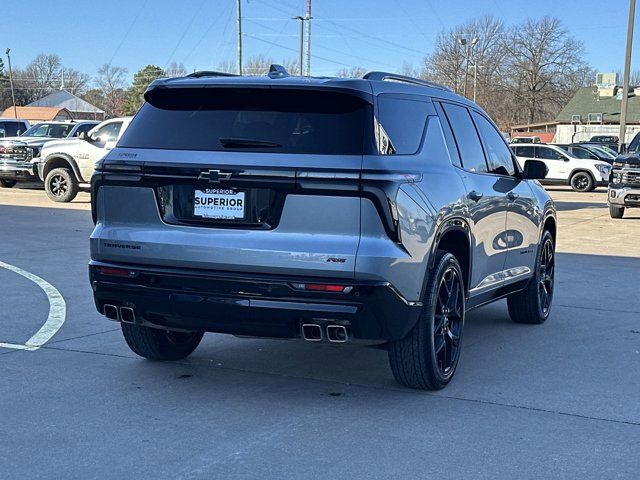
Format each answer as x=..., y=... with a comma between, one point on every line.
x=468, y=47
x=627, y=70
x=475, y=79
x=13, y=95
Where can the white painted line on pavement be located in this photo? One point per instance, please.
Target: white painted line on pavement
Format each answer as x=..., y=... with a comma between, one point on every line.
x=57, y=312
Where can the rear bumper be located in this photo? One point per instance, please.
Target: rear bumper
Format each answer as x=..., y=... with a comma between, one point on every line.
x=260, y=305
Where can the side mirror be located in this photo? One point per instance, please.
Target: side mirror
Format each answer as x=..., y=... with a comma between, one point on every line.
x=83, y=136
x=535, y=170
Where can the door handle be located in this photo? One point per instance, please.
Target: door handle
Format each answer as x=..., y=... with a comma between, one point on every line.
x=474, y=195
x=512, y=196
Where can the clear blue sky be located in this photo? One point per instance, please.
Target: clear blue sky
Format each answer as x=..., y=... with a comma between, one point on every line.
x=374, y=34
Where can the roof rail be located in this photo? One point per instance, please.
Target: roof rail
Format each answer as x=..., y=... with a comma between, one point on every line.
x=394, y=77
x=210, y=73
x=277, y=71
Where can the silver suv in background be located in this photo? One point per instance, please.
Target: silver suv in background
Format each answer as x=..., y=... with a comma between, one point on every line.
x=19, y=155
x=379, y=209
x=67, y=165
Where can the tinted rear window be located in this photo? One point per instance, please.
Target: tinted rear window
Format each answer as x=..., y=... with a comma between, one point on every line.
x=252, y=119
x=404, y=121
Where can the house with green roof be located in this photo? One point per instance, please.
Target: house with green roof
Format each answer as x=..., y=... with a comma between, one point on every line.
x=596, y=111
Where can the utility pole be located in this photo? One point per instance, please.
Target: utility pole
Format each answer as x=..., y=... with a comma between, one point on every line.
x=301, y=51
x=627, y=70
x=13, y=95
x=308, y=19
x=239, y=11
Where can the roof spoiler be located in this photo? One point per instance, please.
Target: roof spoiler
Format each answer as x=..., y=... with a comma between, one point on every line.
x=394, y=77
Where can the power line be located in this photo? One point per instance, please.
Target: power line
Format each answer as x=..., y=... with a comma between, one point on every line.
x=124, y=37
x=294, y=50
x=397, y=46
x=184, y=32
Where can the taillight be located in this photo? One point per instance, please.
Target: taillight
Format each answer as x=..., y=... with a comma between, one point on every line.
x=116, y=272
x=322, y=287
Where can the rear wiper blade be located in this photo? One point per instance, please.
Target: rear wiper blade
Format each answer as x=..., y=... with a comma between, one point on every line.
x=233, y=142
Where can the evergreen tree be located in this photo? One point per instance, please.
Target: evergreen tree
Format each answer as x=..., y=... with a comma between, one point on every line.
x=141, y=80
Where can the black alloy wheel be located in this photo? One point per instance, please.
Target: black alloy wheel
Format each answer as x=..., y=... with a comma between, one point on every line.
x=546, y=277
x=448, y=322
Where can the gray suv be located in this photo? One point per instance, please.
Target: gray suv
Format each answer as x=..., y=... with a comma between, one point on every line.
x=372, y=210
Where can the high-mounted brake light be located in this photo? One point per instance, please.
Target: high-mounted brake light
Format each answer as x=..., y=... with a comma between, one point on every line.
x=116, y=272
x=321, y=287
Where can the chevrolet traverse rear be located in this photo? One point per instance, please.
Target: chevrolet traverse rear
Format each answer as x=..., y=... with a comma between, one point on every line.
x=329, y=210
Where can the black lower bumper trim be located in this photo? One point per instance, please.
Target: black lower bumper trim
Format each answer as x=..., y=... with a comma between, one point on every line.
x=265, y=306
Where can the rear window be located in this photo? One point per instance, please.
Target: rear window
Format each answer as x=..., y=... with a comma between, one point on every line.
x=253, y=120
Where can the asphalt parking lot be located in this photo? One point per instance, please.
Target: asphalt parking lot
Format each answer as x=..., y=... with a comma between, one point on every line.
x=553, y=401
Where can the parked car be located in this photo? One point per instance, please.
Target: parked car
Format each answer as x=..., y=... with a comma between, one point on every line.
x=624, y=185
x=19, y=154
x=12, y=127
x=610, y=141
x=65, y=165
x=525, y=140
x=583, y=175
x=280, y=207
x=588, y=151
x=604, y=139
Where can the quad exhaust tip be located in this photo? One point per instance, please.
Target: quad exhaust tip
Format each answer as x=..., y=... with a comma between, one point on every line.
x=111, y=312
x=127, y=314
x=337, y=333
x=312, y=332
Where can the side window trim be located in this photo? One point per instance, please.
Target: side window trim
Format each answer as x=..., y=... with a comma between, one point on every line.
x=452, y=146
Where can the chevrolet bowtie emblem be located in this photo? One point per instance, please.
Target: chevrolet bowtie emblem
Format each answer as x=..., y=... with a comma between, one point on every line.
x=214, y=176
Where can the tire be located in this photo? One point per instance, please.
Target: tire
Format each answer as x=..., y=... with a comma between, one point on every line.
x=157, y=344
x=61, y=185
x=582, y=182
x=7, y=182
x=616, y=212
x=428, y=356
x=533, y=304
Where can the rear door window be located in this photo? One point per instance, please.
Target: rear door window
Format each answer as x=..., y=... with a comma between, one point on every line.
x=525, y=151
x=302, y=121
x=583, y=153
x=466, y=138
x=403, y=121
x=498, y=154
x=546, y=153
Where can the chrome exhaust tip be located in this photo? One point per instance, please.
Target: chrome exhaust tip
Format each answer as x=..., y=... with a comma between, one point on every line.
x=111, y=312
x=311, y=332
x=127, y=314
x=337, y=333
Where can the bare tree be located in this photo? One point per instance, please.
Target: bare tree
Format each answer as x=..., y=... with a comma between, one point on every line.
x=176, y=70
x=544, y=66
x=45, y=74
x=227, y=66
x=74, y=81
x=353, y=72
x=112, y=84
x=257, y=65
x=408, y=70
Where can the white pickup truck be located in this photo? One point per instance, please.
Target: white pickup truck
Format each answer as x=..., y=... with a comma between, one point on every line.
x=65, y=166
